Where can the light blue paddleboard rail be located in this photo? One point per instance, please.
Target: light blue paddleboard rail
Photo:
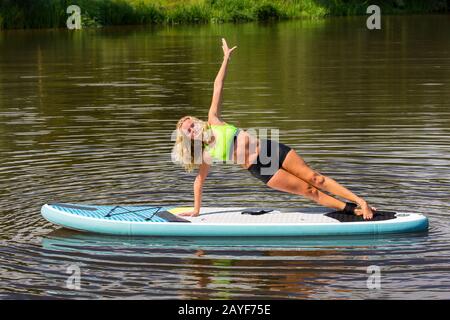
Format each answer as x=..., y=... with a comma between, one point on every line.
x=138, y=225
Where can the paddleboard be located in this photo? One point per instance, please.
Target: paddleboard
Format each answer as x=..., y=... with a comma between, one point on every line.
x=221, y=221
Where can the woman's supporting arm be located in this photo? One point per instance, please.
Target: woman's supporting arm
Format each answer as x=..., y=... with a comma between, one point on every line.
x=198, y=186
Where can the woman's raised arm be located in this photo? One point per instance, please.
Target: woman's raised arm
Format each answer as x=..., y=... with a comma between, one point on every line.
x=214, y=110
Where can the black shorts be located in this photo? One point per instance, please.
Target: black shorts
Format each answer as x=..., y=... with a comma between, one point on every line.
x=269, y=160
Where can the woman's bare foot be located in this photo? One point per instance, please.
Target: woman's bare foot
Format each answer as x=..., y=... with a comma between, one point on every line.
x=366, y=211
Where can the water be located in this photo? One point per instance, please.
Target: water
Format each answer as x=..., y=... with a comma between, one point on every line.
x=87, y=117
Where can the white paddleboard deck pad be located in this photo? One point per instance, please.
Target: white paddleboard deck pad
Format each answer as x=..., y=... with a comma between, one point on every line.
x=222, y=221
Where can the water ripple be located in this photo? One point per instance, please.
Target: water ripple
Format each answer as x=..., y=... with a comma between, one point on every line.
x=377, y=121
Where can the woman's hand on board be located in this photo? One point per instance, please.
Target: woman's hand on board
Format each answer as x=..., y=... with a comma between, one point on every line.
x=191, y=213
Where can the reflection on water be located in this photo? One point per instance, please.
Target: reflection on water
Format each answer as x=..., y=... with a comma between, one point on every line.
x=87, y=117
x=231, y=267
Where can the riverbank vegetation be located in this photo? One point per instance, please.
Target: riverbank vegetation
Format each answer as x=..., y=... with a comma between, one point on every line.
x=19, y=14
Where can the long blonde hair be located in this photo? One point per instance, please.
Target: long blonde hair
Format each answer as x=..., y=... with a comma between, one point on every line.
x=189, y=152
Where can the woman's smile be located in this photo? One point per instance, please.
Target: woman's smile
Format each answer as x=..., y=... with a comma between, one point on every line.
x=191, y=129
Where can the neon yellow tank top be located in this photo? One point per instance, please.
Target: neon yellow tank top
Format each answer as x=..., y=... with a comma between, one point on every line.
x=224, y=137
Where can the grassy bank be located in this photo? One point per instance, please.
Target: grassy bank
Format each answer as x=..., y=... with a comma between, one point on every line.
x=52, y=13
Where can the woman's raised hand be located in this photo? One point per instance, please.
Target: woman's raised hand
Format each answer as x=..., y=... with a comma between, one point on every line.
x=227, y=51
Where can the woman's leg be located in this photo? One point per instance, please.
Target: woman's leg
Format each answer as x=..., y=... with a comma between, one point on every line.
x=287, y=182
x=295, y=165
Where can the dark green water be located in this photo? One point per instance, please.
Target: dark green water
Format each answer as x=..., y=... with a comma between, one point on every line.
x=87, y=117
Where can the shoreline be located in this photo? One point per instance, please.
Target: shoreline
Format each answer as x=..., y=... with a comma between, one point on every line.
x=51, y=14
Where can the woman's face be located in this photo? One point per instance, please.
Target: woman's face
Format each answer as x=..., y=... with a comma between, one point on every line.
x=191, y=129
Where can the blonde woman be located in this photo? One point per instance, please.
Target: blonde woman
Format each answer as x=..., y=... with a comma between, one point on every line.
x=198, y=143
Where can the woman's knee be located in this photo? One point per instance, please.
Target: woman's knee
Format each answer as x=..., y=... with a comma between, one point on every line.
x=317, y=179
x=310, y=192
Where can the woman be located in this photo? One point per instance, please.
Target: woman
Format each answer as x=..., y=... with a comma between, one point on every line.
x=199, y=142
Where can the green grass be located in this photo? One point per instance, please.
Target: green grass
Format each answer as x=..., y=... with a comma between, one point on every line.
x=52, y=13
x=189, y=13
